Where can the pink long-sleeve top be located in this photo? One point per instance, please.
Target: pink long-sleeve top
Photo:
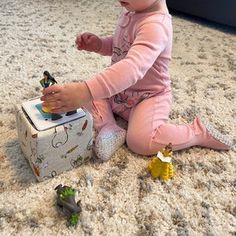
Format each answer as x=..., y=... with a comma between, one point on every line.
x=141, y=53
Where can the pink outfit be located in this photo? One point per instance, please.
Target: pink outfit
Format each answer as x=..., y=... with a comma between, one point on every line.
x=137, y=85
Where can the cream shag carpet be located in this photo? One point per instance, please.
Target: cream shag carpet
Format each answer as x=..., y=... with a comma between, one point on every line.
x=117, y=197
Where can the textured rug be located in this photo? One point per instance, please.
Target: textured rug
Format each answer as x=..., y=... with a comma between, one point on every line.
x=117, y=197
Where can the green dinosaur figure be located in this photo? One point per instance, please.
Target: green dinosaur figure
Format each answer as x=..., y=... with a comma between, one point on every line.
x=67, y=192
x=66, y=203
x=74, y=219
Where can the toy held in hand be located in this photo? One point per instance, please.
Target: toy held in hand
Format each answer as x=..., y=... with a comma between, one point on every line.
x=161, y=166
x=47, y=81
x=66, y=203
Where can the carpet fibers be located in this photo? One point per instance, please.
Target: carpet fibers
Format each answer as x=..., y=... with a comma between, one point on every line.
x=117, y=197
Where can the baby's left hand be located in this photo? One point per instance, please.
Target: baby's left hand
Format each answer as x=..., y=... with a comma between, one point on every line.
x=68, y=97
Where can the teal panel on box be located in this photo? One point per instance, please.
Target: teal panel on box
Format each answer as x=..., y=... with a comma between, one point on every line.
x=44, y=114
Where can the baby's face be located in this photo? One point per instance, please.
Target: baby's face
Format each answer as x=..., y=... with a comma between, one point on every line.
x=136, y=5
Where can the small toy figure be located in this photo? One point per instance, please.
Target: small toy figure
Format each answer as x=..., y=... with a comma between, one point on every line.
x=66, y=203
x=47, y=81
x=161, y=166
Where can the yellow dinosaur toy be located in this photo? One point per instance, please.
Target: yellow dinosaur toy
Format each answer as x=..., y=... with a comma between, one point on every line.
x=161, y=166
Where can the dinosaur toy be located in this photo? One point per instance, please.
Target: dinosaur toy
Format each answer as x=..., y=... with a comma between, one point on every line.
x=66, y=203
x=161, y=166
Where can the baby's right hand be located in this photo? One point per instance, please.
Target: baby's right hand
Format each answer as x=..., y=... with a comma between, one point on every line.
x=88, y=42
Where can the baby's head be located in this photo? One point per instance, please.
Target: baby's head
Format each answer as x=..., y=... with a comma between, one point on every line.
x=138, y=5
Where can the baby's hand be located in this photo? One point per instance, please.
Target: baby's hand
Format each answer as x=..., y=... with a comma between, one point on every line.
x=68, y=97
x=88, y=42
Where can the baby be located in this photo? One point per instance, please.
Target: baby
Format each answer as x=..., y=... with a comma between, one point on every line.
x=136, y=87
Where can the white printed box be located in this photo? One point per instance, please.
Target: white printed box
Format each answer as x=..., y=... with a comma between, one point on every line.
x=56, y=149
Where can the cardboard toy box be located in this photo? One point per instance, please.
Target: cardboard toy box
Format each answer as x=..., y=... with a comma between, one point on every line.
x=56, y=149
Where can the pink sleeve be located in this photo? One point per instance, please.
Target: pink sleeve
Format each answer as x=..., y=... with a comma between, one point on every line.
x=106, y=49
x=151, y=39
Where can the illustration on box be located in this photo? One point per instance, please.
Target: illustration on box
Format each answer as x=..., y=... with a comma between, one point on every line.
x=52, y=147
x=55, y=150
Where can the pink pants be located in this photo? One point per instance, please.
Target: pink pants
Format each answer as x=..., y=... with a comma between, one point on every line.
x=148, y=130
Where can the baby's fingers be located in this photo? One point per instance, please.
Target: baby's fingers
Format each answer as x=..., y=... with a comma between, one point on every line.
x=51, y=93
x=86, y=38
x=52, y=89
x=78, y=40
x=53, y=97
